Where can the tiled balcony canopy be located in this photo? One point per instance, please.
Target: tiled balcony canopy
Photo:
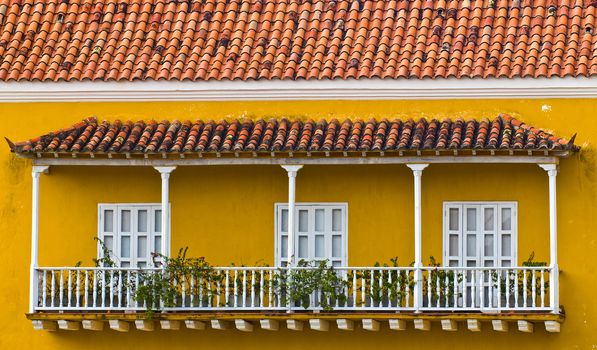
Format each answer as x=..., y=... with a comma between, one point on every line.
x=503, y=133
x=202, y=40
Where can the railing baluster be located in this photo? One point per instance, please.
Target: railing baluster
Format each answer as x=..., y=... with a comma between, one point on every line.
x=271, y=287
x=218, y=289
x=227, y=289
x=252, y=288
x=455, y=289
x=85, y=297
x=447, y=289
x=244, y=301
x=344, y=274
x=464, y=288
x=94, y=288
x=127, y=288
x=61, y=286
x=429, y=302
x=261, y=303
x=363, y=286
x=354, y=288
x=192, y=291
x=534, y=288
x=183, y=290
x=53, y=291
x=438, y=289
x=236, y=288
x=542, y=287
x=407, y=287
x=136, y=288
x=175, y=289
x=102, y=287
x=516, y=291
x=380, y=288
x=78, y=289
x=524, y=288
x=69, y=288
x=390, y=289
x=490, y=288
x=111, y=288
x=44, y=287
x=473, y=288
x=508, y=288
x=118, y=301
x=499, y=288
x=482, y=289
x=209, y=290
x=200, y=291
x=371, y=283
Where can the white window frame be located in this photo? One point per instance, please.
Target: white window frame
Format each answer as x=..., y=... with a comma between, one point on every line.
x=116, y=241
x=498, y=258
x=278, y=259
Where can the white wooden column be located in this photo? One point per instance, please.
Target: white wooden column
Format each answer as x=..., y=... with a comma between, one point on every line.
x=33, y=285
x=417, y=173
x=554, y=302
x=165, y=174
x=292, y=170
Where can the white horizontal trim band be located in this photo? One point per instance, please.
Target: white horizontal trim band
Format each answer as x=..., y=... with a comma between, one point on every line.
x=299, y=161
x=364, y=89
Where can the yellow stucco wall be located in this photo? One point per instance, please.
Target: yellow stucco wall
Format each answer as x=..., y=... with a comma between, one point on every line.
x=226, y=215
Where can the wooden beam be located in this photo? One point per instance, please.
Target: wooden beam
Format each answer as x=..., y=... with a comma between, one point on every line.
x=192, y=324
x=92, y=325
x=499, y=325
x=422, y=325
x=397, y=324
x=243, y=326
x=69, y=325
x=144, y=325
x=356, y=316
x=318, y=324
x=119, y=325
x=221, y=324
x=269, y=325
x=68, y=159
x=345, y=325
x=473, y=325
x=370, y=324
x=43, y=325
x=449, y=325
x=552, y=326
x=171, y=325
x=525, y=326
x=295, y=325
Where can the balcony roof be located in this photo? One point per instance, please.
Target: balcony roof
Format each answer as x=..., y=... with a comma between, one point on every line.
x=282, y=139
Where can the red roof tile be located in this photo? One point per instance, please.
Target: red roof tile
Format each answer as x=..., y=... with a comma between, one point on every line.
x=283, y=135
x=196, y=40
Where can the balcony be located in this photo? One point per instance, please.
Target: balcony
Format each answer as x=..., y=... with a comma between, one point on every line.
x=268, y=295
x=246, y=297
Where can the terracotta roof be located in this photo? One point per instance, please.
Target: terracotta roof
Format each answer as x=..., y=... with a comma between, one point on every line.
x=503, y=133
x=197, y=40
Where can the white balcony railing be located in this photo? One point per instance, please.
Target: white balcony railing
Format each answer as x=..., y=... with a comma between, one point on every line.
x=390, y=289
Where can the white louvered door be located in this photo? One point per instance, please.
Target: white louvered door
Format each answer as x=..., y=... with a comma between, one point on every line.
x=320, y=233
x=479, y=234
x=131, y=232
